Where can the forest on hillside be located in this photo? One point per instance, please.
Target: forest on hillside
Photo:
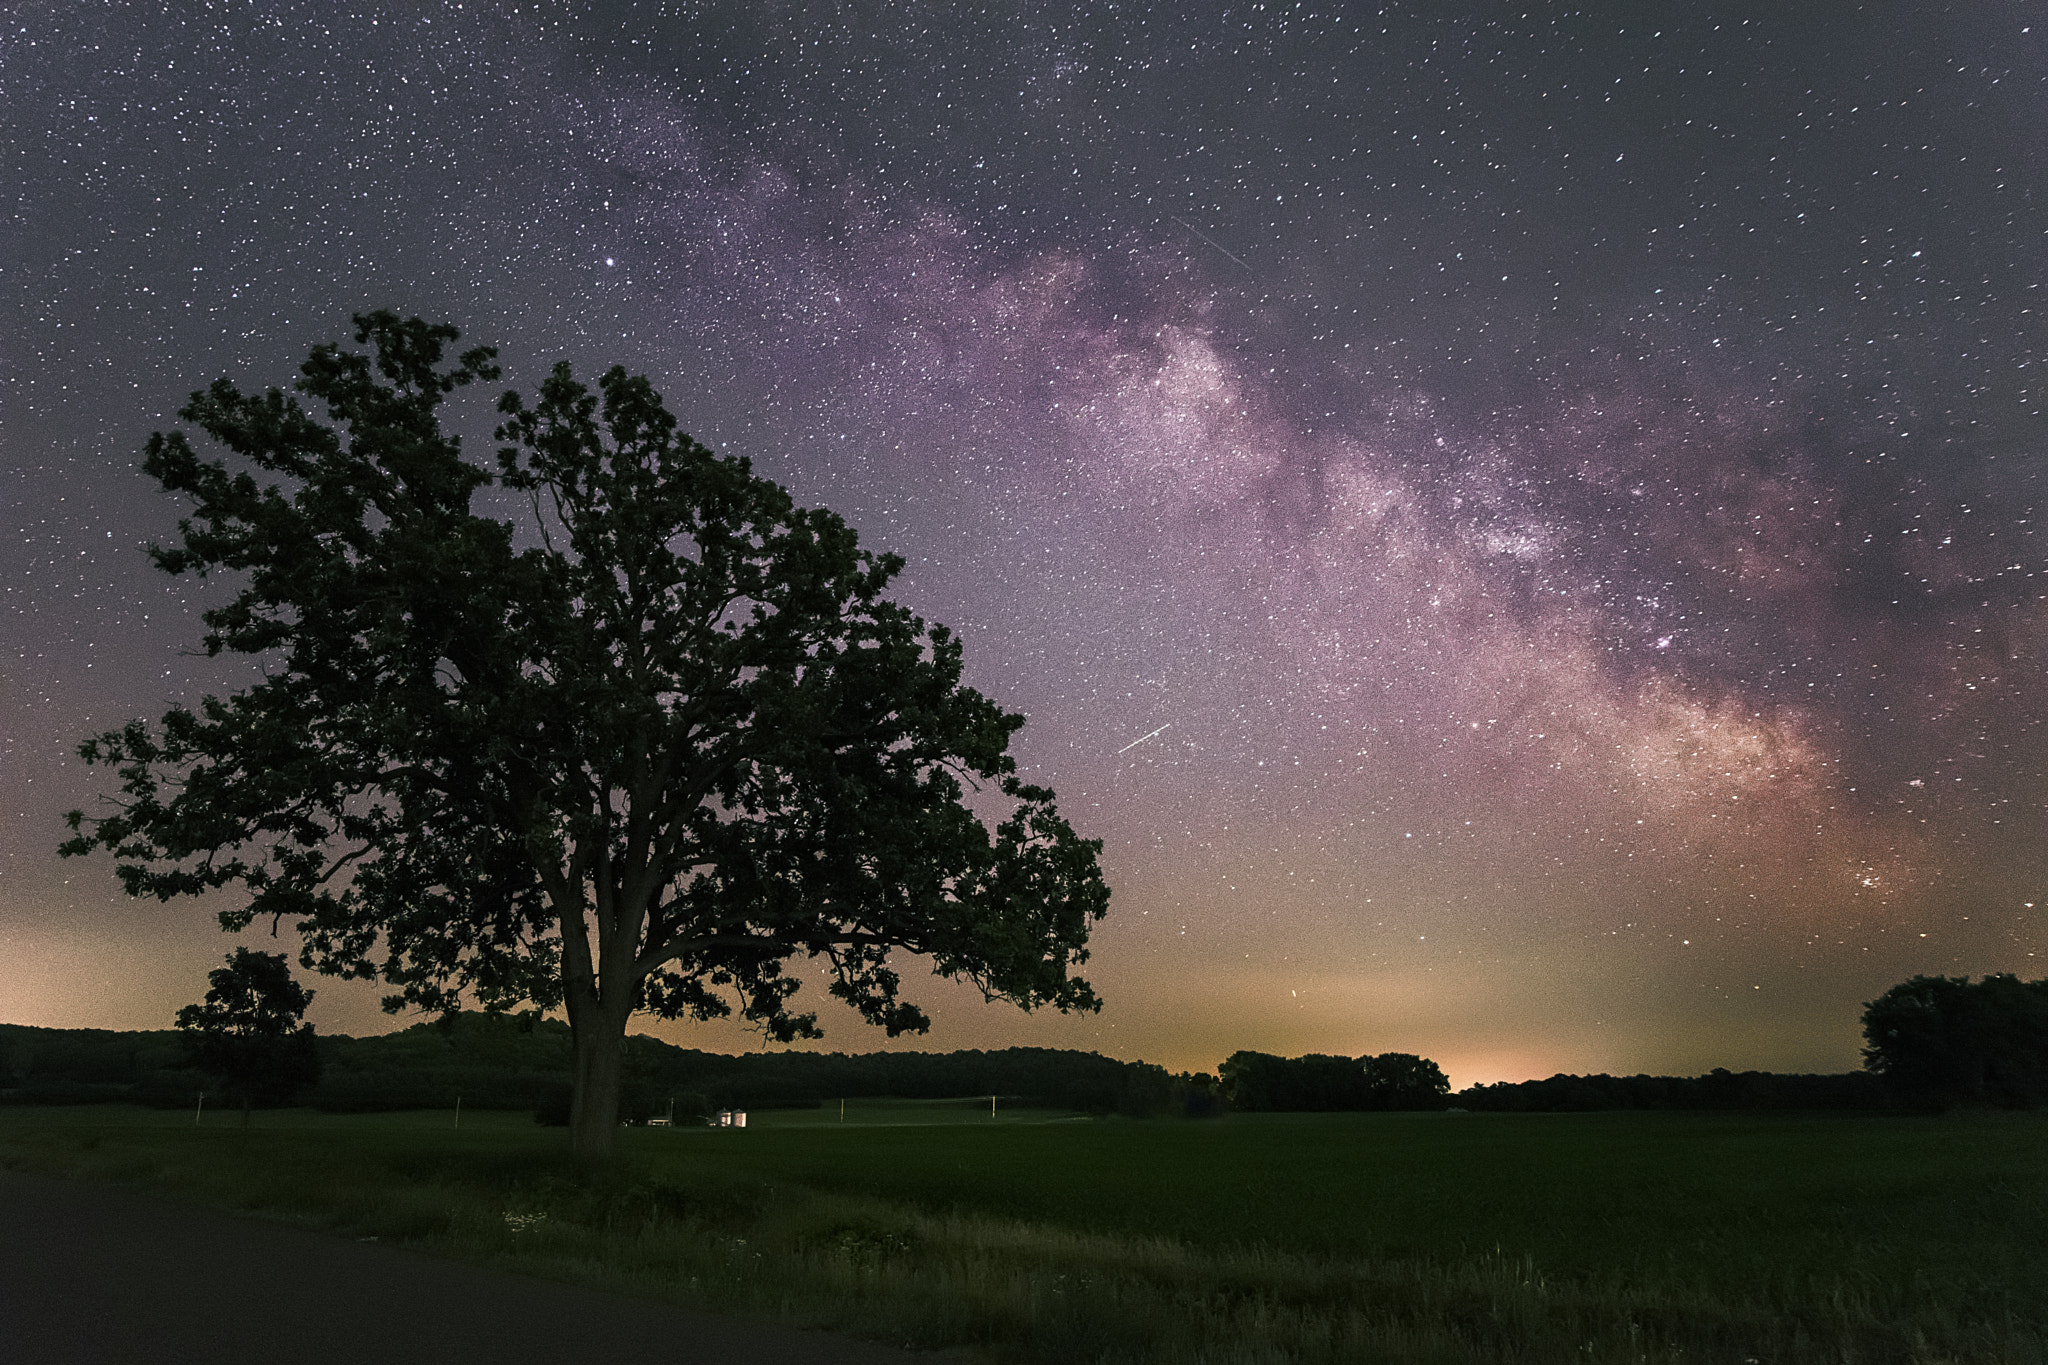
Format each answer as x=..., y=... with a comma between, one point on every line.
x=1935, y=1043
x=506, y=1062
x=512, y=1063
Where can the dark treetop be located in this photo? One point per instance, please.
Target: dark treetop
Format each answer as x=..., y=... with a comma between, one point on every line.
x=250, y=1033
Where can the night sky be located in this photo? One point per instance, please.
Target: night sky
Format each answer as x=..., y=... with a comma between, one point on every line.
x=1520, y=531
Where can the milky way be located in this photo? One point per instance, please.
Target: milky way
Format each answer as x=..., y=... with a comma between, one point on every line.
x=1556, y=497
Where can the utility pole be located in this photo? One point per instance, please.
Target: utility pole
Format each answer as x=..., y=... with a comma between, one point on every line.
x=200, y=1110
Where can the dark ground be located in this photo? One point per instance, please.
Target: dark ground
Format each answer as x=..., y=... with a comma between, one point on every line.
x=101, y=1275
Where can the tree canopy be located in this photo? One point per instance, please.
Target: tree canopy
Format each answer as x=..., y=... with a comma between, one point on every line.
x=249, y=1032
x=1319, y=1082
x=1943, y=1041
x=634, y=749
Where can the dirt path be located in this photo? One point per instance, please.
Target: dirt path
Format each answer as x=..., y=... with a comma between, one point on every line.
x=101, y=1275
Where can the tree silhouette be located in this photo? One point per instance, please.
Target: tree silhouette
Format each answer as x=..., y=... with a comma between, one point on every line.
x=248, y=1033
x=632, y=751
x=1402, y=1080
x=1943, y=1041
x=1319, y=1083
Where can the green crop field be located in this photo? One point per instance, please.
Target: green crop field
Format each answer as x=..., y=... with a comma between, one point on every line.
x=1041, y=1236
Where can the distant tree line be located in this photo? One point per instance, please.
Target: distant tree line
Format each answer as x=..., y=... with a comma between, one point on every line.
x=506, y=1062
x=1718, y=1089
x=1253, y=1082
x=1933, y=1043
x=1053, y=1078
x=89, y=1065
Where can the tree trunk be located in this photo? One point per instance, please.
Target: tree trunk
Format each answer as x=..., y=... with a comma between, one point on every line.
x=599, y=1044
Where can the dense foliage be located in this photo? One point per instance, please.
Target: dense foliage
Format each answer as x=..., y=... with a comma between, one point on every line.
x=249, y=1033
x=497, y=1062
x=1718, y=1089
x=633, y=751
x=1316, y=1083
x=1946, y=1041
x=87, y=1066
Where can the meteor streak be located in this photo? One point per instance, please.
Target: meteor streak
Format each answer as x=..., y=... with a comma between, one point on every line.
x=1142, y=738
x=1220, y=247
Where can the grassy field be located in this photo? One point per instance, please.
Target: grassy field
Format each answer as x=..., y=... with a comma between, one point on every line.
x=1256, y=1238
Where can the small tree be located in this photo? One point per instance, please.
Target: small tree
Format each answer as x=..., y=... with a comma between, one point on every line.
x=249, y=1033
x=635, y=752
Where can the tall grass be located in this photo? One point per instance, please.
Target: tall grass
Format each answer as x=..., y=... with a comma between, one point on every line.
x=1253, y=1239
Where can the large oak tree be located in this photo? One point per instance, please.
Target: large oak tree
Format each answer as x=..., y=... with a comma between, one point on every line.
x=634, y=748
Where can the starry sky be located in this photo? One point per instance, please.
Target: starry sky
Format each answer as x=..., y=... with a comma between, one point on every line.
x=1517, y=525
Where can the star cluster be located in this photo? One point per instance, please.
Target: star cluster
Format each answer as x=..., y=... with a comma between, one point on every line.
x=1520, y=531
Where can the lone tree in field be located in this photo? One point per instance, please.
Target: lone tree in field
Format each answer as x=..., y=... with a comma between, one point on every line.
x=635, y=753
x=248, y=1034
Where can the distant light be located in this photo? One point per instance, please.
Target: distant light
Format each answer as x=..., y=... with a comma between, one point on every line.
x=609, y=261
